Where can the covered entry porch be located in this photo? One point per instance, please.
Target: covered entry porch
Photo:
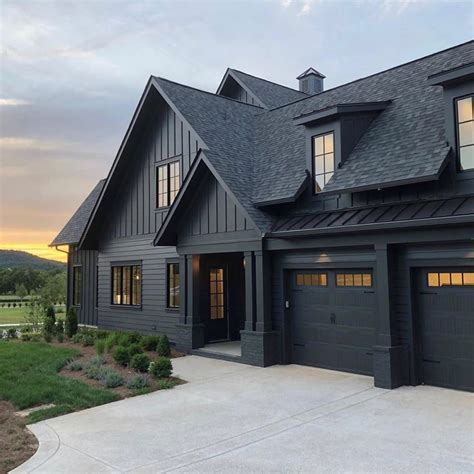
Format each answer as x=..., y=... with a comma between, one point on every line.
x=225, y=307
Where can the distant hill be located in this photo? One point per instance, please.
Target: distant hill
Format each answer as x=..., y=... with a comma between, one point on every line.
x=19, y=259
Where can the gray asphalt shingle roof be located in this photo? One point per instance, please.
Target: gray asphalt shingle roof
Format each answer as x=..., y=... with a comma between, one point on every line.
x=407, y=140
x=73, y=230
x=270, y=93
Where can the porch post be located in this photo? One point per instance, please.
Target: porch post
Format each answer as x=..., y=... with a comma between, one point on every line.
x=389, y=357
x=249, y=291
x=262, y=292
x=190, y=331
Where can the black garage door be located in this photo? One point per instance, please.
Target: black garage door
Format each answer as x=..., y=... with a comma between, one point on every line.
x=332, y=319
x=446, y=324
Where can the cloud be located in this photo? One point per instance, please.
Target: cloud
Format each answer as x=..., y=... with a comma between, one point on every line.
x=306, y=7
x=286, y=3
x=13, y=102
x=21, y=143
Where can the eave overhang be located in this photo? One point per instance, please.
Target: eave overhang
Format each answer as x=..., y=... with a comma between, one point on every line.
x=336, y=111
x=452, y=76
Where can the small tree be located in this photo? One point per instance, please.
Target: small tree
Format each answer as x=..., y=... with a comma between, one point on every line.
x=70, y=325
x=35, y=315
x=21, y=291
x=163, y=348
x=60, y=330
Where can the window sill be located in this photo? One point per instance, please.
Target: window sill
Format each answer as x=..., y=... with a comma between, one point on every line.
x=161, y=209
x=172, y=310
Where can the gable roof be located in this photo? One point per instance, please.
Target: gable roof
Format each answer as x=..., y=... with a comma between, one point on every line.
x=310, y=71
x=72, y=232
x=405, y=142
x=268, y=93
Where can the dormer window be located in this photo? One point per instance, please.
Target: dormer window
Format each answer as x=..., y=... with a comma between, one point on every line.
x=323, y=160
x=465, y=132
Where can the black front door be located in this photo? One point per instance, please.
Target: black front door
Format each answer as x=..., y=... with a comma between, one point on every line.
x=218, y=315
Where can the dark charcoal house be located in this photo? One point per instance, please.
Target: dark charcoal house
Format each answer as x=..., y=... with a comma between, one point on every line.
x=331, y=228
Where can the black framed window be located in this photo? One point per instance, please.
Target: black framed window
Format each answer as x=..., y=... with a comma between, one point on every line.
x=167, y=183
x=76, y=285
x=323, y=160
x=173, y=285
x=465, y=132
x=97, y=286
x=216, y=293
x=127, y=285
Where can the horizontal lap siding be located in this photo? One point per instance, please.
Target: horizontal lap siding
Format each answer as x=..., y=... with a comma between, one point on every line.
x=153, y=311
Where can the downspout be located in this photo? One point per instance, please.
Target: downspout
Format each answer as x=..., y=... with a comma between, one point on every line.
x=68, y=279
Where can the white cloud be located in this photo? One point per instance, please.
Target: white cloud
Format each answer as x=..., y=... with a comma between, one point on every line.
x=286, y=3
x=21, y=143
x=306, y=7
x=13, y=102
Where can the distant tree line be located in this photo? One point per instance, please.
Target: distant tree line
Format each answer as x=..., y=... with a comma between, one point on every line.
x=21, y=282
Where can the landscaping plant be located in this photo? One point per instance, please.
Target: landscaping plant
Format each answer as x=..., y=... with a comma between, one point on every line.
x=71, y=322
x=110, y=378
x=60, y=330
x=121, y=355
x=163, y=349
x=138, y=382
x=49, y=323
x=161, y=367
x=74, y=365
x=135, y=348
x=100, y=346
x=149, y=343
x=110, y=342
x=88, y=339
x=140, y=363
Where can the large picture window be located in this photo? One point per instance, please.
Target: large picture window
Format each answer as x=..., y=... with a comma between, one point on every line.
x=323, y=158
x=465, y=131
x=127, y=285
x=76, y=285
x=173, y=285
x=168, y=183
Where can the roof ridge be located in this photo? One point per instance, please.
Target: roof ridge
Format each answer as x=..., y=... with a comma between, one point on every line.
x=376, y=74
x=270, y=82
x=207, y=92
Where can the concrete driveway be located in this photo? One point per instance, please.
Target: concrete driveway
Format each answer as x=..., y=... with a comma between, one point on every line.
x=236, y=418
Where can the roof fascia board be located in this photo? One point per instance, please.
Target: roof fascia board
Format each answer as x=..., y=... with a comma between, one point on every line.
x=434, y=221
x=338, y=110
x=200, y=159
x=452, y=76
x=151, y=83
x=244, y=86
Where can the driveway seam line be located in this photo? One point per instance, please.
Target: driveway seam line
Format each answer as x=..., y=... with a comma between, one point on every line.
x=93, y=457
x=301, y=423
x=55, y=451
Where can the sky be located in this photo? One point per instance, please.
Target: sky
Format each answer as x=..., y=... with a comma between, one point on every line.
x=72, y=72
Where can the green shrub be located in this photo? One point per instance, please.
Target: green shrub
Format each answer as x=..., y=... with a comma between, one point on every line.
x=139, y=381
x=94, y=369
x=140, y=363
x=135, y=348
x=101, y=334
x=70, y=326
x=77, y=338
x=100, y=346
x=110, y=342
x=49, y=322
x=60, y=337
x=161, y=367
x=59, y=326
x=88, y=340
x=74, y=365
x=110, y=378
x=97, y=360
x=11, y=333
x=122, y=339
x=166, y=384
x=122, y=355
x=134, y=338
x=149, y=343
x=163, y=349
x=26, y=336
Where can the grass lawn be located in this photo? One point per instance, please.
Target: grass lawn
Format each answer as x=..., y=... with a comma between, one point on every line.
x=29, y=377
x=17, y=315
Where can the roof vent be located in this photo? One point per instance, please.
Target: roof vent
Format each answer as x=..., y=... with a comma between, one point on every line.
x=311, y=81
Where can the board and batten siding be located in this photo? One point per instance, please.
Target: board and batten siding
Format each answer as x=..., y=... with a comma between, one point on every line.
x=153, y=316
x=213, y=212
x=166, y=139
x=87, y=260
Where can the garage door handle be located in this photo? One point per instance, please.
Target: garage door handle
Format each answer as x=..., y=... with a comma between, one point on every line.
x=369, y=353
x=428, y=293
x=299, y=345
x=432, y=361
x=367, y=291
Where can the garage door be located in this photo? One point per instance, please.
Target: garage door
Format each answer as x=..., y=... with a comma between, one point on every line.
x=332, y=319
x=446, y=310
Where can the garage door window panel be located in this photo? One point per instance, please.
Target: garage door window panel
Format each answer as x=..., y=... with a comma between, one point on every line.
x=354, y=280
x=311, y=279
x=446, y=279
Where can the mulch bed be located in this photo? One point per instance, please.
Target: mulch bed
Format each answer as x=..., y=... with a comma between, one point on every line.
x=88, y=352
x=17, y=443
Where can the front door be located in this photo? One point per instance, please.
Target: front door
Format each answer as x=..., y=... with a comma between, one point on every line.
x=218, y=328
